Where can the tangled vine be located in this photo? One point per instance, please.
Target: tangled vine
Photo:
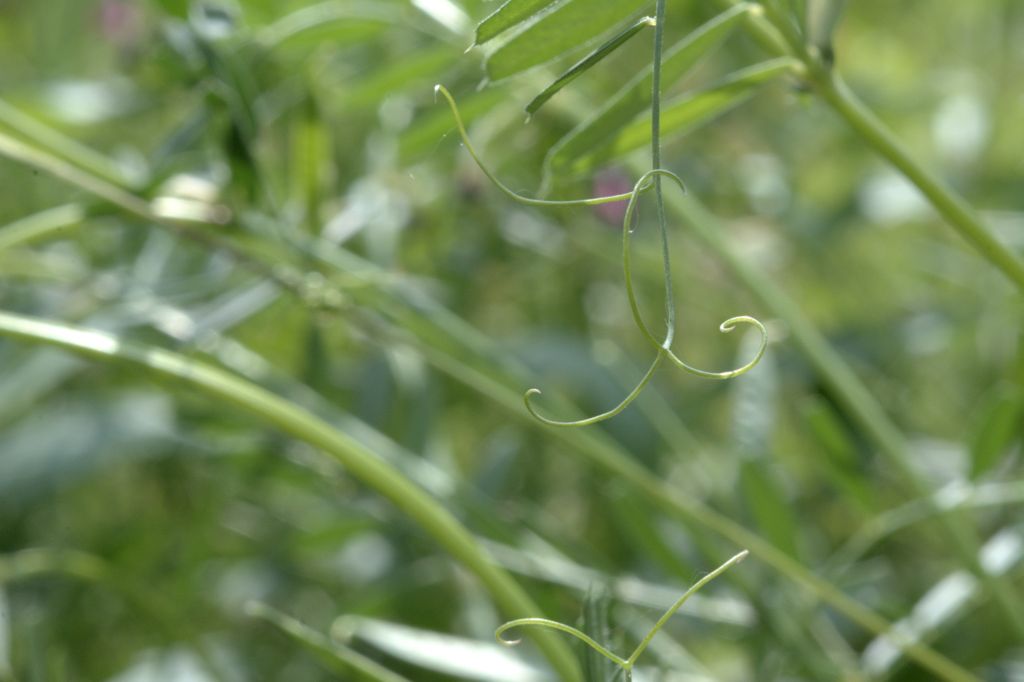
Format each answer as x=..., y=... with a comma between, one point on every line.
x=652, y=179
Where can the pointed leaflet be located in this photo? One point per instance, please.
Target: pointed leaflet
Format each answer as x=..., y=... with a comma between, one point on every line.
x=687, y=112
x=590, y=60
x=565, y=28
x=507, y=16
x=636, y=95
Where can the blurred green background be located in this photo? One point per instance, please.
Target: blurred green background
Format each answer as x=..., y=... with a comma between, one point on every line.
x=354, y=260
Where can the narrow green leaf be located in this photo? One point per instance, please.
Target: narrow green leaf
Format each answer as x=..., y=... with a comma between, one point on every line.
x=822, y=18
x=427, y=133
x=997, y=423
x=635, y=96
x=327, y=21
x=335, y=656
x=361, y=462
x=577, y=69
x=838, y=462
x=768, y=506
x=401, y=74
x=569, y=26
x=687, y=112
x=505, y=17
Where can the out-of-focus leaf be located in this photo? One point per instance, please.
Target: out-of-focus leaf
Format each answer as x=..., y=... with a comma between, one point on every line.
x=577, y=69
x=397, y=76
x=336, y=21
x=445, y=13
x=768, y=506
x=553, y=567
x=822, y=18
x=311, y=165
x=687, y=112
x=755, y=400
x=30, y=129
x=176, y=8
x=838, y=459
x=635, y=96
x=456, y=656
x=334, y=656
x=51, y=447
x=429, y=130
x=944, y=603
x=507, y=16
x=568, y=27
x=997, y=423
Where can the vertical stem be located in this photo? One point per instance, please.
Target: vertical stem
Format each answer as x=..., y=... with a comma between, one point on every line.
x=659, y=33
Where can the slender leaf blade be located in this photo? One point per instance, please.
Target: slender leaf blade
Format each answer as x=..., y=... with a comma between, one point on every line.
x=687, y=112
x=426, y=133
x=635, y=96
x=335, y=656
x=510, y=14
x=577, y=69
x=567, y=27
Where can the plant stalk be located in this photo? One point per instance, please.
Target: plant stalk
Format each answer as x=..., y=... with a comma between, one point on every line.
x=360, y=462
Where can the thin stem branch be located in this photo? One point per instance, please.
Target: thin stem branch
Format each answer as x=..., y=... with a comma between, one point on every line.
x=360, y=462
x=659, y=39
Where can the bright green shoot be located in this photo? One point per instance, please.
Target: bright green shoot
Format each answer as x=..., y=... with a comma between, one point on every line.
x=629, y=662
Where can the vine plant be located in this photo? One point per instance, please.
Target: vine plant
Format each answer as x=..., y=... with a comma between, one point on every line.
x=652, y=179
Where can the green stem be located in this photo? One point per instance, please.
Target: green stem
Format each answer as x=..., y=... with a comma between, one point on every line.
x=339, y=658
x=679, y=603
x=361, y=462
x=604, y=453
x=855, y=398
x=947, y=202
x=41, y=225
x=659, y=33
x=766, y=28
x=777, y=37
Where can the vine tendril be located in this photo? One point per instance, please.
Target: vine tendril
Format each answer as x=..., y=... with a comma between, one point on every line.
x=604, y=415
x=555, y=625
x=650, y=179
x=590, y=201
x=626, y=664
x=634, y=305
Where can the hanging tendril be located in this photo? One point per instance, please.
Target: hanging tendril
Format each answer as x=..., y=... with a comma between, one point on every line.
x=650, y=179
x=634, y=305
x=590, y=201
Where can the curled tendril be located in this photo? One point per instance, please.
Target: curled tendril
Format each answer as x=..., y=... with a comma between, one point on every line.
x=647, y=181
x=625, y=663
x=554, y=625
x=604, y=415
x=726, y=327
x=590, y=201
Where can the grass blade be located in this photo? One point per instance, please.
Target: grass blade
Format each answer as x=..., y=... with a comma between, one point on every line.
x=569, y=26
x=505, y=17
x=687, y=112
x=577, y=69
x=360, y=462
x=335, y=656
x=635, y=96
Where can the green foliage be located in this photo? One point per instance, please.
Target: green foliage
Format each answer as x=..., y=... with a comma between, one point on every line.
x=266, y=193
